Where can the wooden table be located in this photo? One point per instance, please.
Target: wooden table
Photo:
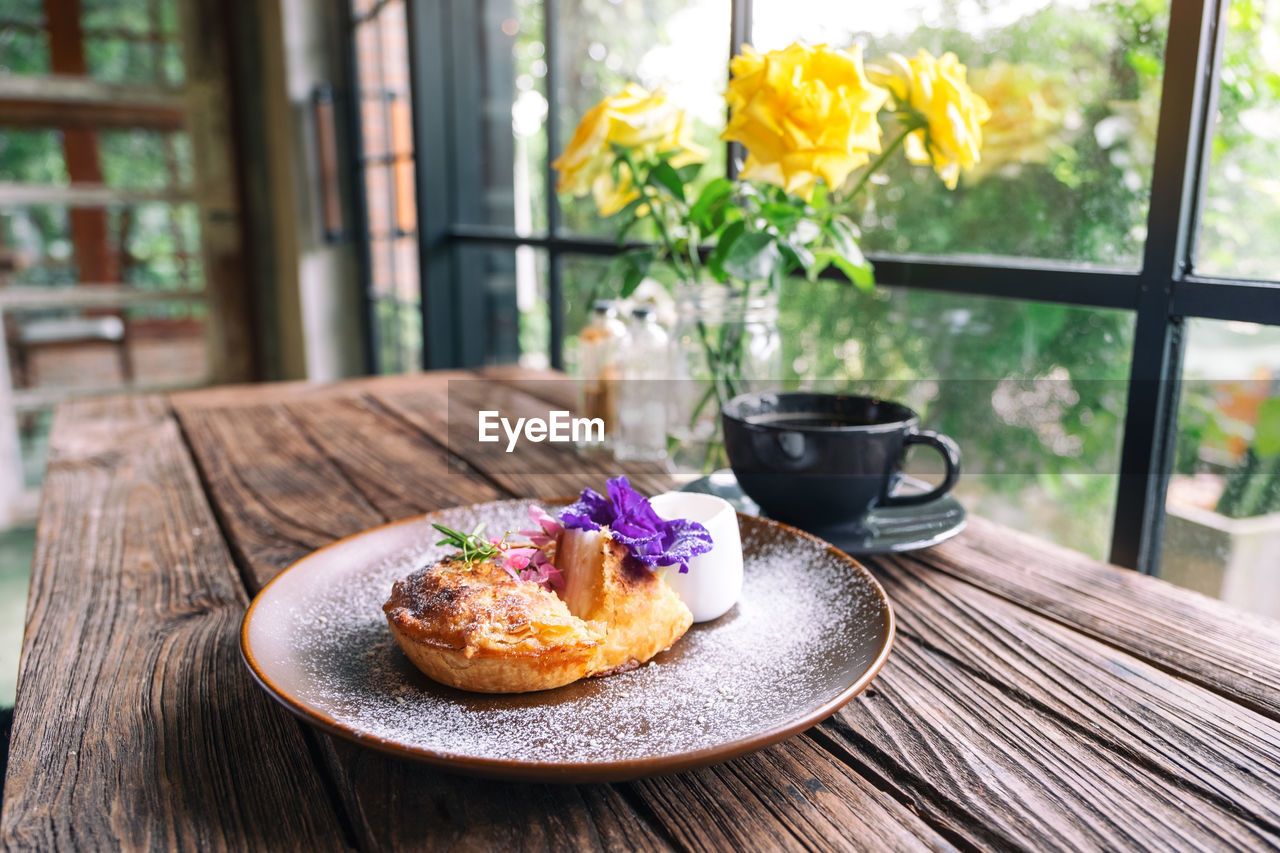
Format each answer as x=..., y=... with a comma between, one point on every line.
x=1034, y=698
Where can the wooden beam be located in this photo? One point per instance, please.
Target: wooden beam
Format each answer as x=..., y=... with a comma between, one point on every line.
x=28, y=100
x=77, y=89
x=21, y=112
x=83, y=195
x=80, y=145
x=89, y=296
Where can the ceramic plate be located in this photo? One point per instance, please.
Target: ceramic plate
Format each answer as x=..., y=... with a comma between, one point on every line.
x=811, y=630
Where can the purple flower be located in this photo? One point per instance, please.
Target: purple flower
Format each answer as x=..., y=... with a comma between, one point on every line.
x=629, y=515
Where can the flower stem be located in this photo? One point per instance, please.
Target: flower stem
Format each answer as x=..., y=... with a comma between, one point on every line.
x=908, y=129
x=658, y=207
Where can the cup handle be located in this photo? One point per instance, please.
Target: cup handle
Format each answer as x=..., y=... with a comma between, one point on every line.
x=950, y=454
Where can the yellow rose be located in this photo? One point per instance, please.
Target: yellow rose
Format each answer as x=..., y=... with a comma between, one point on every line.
x=803, y=113
x=1028, y=110
x=936, y=89
x=643, y=121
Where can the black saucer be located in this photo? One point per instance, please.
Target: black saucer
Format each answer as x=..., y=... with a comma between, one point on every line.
x=885, y=530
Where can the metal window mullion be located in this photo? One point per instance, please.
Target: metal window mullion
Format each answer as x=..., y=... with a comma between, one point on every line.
x=555, y=282
x=1191, y=56
x=1226, y=299
x=359, y=201
x=468, y=46
x=740, y=15
x=430, y=91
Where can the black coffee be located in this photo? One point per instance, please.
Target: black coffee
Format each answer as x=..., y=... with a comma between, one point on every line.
x=791, y=455
x=800, y=420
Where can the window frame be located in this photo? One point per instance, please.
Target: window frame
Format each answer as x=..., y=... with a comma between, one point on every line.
x=1162, y=294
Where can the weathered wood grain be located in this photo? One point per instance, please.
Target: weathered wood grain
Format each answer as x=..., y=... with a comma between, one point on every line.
x=355, y=449
x=1035, y=699
x=792, y=796
x=1215, y=645
x=400, y=805
x=276, y=494
x=1013, y=731
x=136, y=726
x=393, y=465
x=247, y=454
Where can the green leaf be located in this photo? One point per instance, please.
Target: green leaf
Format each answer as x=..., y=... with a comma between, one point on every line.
x=753, y=256
x=665, y=175
x=821, y=260
x=784, y=216
x=628, y=217
x=689, y=173
x=844, y=237
x=715, y=193
x=797, y=254
x=630, y=268
x=859, y=273
x=1266, y=431
x=724, y=244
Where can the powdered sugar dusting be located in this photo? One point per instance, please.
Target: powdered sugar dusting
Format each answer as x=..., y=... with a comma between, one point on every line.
x=806, y=627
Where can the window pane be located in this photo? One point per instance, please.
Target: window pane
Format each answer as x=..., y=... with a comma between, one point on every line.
x=119, y=60
x=397, y=336
x=680, y=45
x=387, y=181
x=500, y=119
x=496, y=284
x=141, y=159
x=26, y=11
x=1033, y=393
x=1074, y=89
x=1241, y=207
x=1222, y=526
x=134, y=16
x=39, y=236
x=157, y=245
x=32, y=156
x=23, y=49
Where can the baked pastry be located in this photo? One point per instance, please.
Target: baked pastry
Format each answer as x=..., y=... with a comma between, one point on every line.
x=473, y=627
x=585, y=595
x=641, y=613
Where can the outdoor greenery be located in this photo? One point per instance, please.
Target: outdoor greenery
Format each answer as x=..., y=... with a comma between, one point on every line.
x=158, y=241
x=1034, y=392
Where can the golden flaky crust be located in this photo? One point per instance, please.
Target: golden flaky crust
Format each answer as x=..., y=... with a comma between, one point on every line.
x=603, y=583
x=476, y=628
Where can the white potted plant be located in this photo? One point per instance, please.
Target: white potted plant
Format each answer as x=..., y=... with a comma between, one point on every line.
x=1222, y=529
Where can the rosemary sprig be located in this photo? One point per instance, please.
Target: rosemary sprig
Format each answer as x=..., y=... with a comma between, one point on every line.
x=472, y=547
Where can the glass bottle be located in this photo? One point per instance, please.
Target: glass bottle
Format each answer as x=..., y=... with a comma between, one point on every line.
x=598, y=348
x=641, y=434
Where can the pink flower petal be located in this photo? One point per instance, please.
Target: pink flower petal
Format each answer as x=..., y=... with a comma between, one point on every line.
x=546, y=576
x=515, y=561
x=550, y=526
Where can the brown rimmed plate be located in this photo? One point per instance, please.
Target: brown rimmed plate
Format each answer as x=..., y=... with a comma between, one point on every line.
x=811, y=630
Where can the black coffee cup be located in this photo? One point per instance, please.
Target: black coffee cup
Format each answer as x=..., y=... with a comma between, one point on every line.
x=823, y=461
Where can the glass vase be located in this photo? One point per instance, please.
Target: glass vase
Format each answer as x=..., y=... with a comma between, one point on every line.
x=725, y=342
